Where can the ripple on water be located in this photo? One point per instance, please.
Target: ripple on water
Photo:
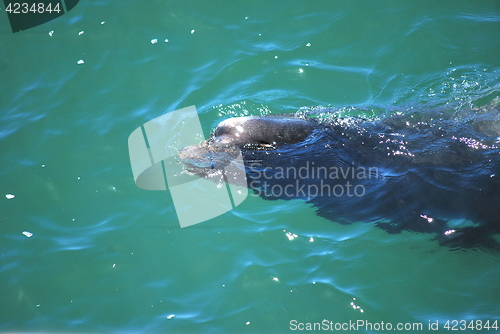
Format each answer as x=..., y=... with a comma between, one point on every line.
x=77, y=235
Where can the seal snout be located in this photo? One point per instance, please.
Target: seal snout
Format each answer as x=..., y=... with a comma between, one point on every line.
x=195, y=156
x=208, y=155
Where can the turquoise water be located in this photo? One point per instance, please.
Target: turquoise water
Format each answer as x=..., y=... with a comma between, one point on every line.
x=106, y=256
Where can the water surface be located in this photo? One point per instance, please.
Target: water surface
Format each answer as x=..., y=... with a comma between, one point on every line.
x=106, y=256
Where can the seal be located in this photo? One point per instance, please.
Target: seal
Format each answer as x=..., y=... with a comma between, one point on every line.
x=247, y=133
x=420, y=172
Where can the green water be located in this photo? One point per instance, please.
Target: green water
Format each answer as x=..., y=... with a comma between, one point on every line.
x=106, y=256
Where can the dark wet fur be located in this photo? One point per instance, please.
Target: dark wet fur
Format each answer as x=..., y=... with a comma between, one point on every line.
x=430, y=169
